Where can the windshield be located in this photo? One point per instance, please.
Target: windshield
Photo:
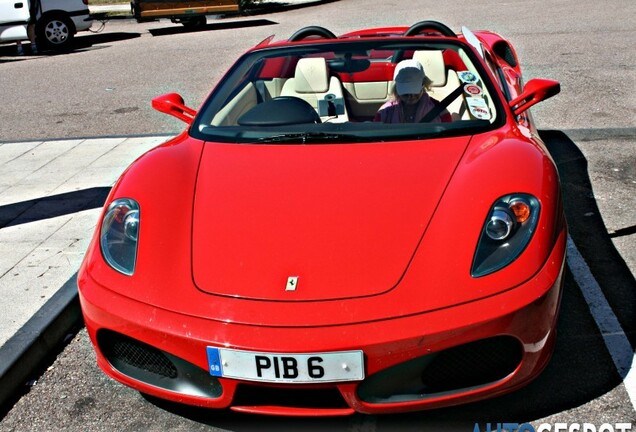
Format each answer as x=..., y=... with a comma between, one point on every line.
x=350, y=91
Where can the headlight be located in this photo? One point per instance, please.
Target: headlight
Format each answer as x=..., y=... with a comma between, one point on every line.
x=119, y=235
x=507, y=231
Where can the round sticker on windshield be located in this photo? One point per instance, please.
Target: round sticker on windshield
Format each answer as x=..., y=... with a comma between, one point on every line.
x=467, y=77
x=478, y=108
x=472, y=89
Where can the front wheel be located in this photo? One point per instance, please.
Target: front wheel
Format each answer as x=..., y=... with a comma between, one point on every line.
x=55, y=32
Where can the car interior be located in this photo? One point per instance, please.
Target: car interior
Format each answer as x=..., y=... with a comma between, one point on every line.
x=345, y=86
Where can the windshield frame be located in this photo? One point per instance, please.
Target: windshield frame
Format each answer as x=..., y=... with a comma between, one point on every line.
x=230, y=85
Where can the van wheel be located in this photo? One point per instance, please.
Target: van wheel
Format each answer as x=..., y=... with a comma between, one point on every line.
x=55, y=32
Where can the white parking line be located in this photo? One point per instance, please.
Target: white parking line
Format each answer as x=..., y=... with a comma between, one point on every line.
x=613, y=334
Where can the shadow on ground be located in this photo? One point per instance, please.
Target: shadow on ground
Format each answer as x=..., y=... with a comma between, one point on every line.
x=222, y=25
x=52, y=206
x=271, y=7
x=83, y=42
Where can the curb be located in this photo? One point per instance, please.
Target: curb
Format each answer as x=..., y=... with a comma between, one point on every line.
x=34, y=343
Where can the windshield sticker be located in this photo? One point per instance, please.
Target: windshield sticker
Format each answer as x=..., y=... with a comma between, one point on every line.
x=467, y=77
x=478, y=108
x=473, y=90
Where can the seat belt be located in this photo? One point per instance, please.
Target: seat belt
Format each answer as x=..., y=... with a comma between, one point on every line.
x=441, y=106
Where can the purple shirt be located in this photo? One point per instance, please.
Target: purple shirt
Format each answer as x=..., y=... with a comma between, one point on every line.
x=392, y=111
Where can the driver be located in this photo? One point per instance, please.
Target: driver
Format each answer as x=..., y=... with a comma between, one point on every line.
x=410, y=101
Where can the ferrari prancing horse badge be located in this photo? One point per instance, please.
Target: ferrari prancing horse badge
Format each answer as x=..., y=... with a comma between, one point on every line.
x=292, y=282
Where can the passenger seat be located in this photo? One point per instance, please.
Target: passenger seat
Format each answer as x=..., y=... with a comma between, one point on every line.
x=443, y=81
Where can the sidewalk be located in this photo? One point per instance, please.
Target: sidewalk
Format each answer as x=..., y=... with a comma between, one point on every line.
x=51, y=193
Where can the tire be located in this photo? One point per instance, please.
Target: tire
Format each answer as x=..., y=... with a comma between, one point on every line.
x=198, y=21
x=55, y=32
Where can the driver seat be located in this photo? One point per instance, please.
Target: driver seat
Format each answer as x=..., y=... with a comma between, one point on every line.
x=312, y=83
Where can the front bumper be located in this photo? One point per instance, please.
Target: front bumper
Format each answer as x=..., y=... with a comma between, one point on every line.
x=495, y=345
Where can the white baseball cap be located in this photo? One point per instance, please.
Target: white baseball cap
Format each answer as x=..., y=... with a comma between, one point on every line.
x=409, y=77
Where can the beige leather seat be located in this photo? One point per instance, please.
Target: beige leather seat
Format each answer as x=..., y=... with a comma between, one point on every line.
x=443, y=81
x=312, y=83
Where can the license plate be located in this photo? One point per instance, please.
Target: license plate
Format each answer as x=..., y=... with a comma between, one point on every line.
x=286, y=368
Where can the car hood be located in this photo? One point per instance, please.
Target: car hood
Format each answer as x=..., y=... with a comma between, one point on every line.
x=314, y=222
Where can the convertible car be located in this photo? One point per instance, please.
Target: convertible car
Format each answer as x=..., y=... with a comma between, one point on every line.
x=288, y=254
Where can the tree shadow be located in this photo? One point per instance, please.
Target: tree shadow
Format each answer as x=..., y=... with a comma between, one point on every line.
x=52, y=206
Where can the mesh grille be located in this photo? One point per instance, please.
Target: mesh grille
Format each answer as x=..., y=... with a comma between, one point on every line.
x=121, y=349
x=476, y=363
x=452, y=370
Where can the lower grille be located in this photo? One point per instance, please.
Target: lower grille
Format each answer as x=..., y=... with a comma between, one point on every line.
x=472, y=364
x=120, y=349
x=153, y=366
x=459, y=368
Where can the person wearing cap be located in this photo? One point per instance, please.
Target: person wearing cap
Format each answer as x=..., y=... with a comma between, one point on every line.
x=410, y=101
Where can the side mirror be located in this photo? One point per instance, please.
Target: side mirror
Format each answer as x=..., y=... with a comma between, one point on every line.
x=535, y=91
x=172, y=103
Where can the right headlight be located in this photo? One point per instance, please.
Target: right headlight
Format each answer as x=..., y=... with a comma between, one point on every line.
x=507, y=231
x=119, y=235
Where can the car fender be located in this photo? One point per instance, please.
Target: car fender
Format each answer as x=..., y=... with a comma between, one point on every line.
x=162, y=181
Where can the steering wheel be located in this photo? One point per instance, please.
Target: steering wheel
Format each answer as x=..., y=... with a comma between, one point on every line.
x=437, y=26
x=311, y=31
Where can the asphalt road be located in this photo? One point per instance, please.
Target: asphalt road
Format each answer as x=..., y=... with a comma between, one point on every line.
x=104, y=88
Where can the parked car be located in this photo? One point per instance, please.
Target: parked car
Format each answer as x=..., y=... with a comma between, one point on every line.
x=56, y=21
x=190, y=13
x=288, y=255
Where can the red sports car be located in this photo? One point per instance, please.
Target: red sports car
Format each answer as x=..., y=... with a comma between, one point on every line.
x=358, y=223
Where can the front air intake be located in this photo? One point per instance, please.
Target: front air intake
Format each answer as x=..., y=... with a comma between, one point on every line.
x=457, y=369
x=122, y=351
x=150, y=365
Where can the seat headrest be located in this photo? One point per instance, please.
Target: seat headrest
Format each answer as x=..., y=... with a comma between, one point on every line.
x=311, y=76
x=434, y=67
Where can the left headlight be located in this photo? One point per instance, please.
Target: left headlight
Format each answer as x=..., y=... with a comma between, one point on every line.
x=507, y=231
x=119, y=235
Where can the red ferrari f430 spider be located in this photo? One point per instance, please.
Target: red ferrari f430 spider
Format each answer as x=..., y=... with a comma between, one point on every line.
x=357, y=223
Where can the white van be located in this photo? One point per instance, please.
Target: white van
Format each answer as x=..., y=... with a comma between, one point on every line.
x=56, y=21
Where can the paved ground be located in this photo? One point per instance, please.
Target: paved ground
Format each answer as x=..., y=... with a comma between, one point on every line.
x=50, y=190
x=50, y=194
